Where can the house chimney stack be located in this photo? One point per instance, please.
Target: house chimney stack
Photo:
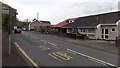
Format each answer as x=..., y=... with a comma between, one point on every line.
x=37, y=16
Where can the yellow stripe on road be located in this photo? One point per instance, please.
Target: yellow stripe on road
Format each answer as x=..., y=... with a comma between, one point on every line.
x=63, y=56
x=26, y=56
x=54, y=57
x=43, y=47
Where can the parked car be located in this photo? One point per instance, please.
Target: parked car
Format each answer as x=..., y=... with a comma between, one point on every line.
x=24, y=29
x=17, y=30
x=48, y=33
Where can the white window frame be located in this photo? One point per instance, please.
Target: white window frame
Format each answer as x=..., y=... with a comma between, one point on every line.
x=105, y=34
x=71, y=21
x=112, y=30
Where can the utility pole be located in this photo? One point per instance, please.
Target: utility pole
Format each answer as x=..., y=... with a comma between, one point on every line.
x=10, y=29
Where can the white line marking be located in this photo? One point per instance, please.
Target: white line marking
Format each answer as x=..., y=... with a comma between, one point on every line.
x=81, y=54
x=33, y=37
x=48, y=42
x=94, y=58
x=43, y=40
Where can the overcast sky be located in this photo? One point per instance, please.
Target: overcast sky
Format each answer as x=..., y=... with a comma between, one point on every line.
x=56, y=11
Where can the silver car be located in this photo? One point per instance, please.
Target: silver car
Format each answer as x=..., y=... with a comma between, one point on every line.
x=17, y=30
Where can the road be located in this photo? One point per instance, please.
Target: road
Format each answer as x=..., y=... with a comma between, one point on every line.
x=46, y=51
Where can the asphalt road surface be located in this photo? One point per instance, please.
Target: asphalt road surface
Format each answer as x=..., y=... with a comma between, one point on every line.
x=46, y=51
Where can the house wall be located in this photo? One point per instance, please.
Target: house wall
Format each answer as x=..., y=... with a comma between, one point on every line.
x=82, y=31
x=98, y=32
x=69, y=30
x=72, y=30
x=44, y=24
x=118, y=28
x=89, y=32
x=0, y=15
x=34, y=25
x=112, y=35
x=1, y=34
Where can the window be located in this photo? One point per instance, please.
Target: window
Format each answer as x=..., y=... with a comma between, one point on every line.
x=106, y=36
x=91, y=30
x=113, y=30
x=83, y=30
x=70, y=21
x=102, y=31
x=106, y=31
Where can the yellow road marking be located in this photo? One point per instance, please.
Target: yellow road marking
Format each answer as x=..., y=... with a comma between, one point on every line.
x=44, y=47
x=24, y=53
x=62, y=56
x=55, y=46
x=54, y=57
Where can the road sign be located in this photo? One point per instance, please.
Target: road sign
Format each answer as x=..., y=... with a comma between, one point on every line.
x=6, y=10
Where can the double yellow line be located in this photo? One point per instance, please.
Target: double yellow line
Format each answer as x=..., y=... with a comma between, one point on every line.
x=26, y=56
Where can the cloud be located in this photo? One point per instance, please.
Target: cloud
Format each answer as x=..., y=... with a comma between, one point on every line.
x=59, y=10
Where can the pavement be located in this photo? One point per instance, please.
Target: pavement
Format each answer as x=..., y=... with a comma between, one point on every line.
x=47, y=50
x=14, y=59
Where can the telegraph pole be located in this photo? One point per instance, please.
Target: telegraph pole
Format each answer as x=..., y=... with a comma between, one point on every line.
x=10, y=30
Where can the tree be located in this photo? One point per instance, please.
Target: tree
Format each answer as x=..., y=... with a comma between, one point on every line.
x=25, y=22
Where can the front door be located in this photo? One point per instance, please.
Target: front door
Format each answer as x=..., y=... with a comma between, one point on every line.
x=105, y=34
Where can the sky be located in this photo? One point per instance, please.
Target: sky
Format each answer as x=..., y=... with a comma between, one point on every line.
x=56, y=11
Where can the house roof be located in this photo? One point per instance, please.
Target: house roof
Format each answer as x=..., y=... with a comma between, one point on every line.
x=45, y=22
x=94, y=20
x=41, y=22
x=62, y=23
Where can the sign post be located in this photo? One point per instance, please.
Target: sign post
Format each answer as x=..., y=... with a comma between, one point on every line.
x=8, y=10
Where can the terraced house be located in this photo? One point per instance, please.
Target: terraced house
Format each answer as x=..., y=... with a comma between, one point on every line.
x=102, y=26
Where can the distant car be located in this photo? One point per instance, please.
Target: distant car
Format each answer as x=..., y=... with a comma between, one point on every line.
x=24, y=29
x=48, y=33
x=17, y=30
